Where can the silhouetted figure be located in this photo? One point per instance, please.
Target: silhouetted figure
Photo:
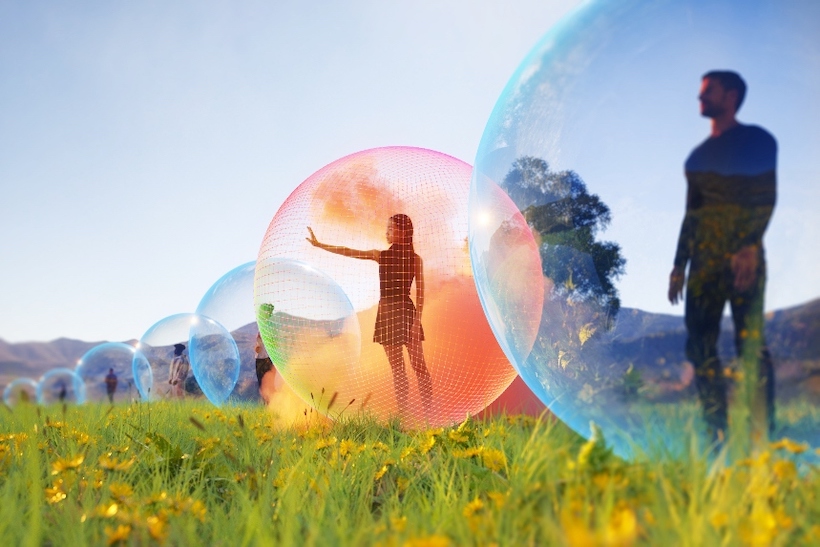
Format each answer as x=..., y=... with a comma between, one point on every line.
x=178, y=371
x=111, y=385
x=63, y=392
x=264, y=365
x=398, y=319
x=731, y=195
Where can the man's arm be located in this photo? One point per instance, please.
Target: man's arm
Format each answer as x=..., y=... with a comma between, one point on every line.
x=682, y=255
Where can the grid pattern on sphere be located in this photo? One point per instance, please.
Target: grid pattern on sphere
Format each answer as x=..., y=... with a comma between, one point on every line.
x=349, y=203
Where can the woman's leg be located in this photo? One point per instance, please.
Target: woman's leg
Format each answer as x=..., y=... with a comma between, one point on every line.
x=400, y=384
x=416, y=351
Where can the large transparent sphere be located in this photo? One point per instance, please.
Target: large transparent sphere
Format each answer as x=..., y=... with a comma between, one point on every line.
x=107, y=372
x=229, y=301
x=20, y=390
x=186, y=356
x=60, y=385
x=458, y=367
x=580, y=174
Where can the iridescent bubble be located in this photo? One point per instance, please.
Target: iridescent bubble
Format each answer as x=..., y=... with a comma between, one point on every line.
x=186, y=356
x=107, y=372
x=369, y=201
x=60, y=385
x=310, y=330
x=20, y=390
x=585, y=151
x=229, y=301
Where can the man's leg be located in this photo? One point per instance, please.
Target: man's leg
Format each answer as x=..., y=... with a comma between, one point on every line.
x=705, y=300
x=750, y=345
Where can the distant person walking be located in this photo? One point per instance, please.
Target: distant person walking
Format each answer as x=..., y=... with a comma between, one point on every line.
x=178, y=371
x=731, y=195
x=111, y=385
x=398, y=319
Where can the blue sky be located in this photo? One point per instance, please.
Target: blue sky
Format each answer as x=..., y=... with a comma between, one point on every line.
x=145, y=147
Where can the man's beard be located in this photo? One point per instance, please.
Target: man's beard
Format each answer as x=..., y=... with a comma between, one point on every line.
x=711, y=111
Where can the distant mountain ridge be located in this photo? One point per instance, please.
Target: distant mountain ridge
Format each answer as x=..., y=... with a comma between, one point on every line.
x=33, y=359
x=649, y=340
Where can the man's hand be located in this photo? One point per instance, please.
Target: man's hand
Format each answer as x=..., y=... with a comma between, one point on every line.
x=676, y=279
x=744, y=267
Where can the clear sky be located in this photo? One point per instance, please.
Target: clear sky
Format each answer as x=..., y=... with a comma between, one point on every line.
x=145, y=146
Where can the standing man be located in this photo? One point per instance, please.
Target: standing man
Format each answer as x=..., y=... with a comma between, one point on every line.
x=111, y=385
x=178, y=371
x=731, y=195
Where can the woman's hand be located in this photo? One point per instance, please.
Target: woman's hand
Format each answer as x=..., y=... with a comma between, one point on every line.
x=312, y=239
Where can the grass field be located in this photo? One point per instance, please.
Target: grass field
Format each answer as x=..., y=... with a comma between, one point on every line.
x=188, y=473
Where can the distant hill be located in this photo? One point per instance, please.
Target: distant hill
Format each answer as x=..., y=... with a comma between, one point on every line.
x=653, y=343
x=33, y=359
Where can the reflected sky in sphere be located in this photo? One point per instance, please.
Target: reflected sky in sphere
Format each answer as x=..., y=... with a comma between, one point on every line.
x=605, y=107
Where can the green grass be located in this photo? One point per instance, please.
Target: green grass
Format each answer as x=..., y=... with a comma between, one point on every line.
x=187, y=473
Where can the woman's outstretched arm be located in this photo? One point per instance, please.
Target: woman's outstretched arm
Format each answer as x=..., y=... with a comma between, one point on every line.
x=344, y=251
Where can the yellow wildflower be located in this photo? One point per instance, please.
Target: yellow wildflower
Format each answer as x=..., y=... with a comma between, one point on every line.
x=378, y=445
x=427, y=444
x=279, y=481
x=467, y=453
x=120, y=491
x=120, y=534
x=719, y=519
x=429, y=541
x=347, y=447
x=64, y=464
x=622, y=528
x=198, y=510
x=458, y=437
x=398, y=523
x=760, y=528
x=157, y=528
x=112, y=464
x=56, y=493
x=324, y=443
x=107, y=510
x=784, y=470
x=384, y=469
x=790, y=446
x=499, y=499
x=473, y=507
x=784, y=521
x=493, y=459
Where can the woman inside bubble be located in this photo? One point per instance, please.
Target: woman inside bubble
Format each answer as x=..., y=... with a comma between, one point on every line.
x=398, y=320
